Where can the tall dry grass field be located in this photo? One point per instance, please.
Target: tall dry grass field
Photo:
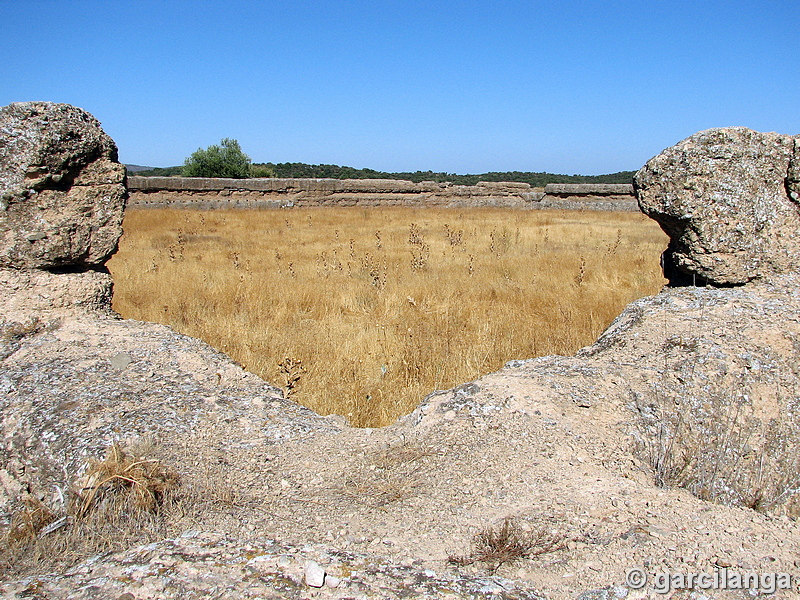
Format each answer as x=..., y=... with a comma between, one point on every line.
x=363, y=311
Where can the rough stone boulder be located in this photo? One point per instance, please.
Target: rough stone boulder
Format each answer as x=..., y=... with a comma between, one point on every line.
x=728, y=199
x=62, y=189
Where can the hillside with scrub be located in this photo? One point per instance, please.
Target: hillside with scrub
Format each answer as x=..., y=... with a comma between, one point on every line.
x=304, y=170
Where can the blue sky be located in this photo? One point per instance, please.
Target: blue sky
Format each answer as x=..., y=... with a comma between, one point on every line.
x=461, y=87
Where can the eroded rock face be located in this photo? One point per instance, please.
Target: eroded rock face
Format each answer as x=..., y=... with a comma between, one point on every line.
x=793, y=180
x=723, y=197
x=62, y=189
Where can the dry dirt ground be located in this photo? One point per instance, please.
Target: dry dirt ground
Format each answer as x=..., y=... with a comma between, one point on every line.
x=270, y=485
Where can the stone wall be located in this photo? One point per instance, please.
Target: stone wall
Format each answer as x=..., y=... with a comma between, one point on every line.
x=598, y=196
x=249, y=193
x=589, y=189
x=160, y=192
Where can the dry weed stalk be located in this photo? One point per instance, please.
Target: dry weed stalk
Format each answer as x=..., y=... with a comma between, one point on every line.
x=292, y=371
x=509, y=542
x=454, y=237
x=420, y=249
x=581, y=276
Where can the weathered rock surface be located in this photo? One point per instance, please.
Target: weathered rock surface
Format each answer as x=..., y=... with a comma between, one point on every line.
x=547, y=441
x=62, y=190
x=71, y=384
x=722, y=195
x=694, y=389
x=29, y=293
x=177, y=569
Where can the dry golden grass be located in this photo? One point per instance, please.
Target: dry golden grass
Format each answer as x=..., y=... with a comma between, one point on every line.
x=122, y=483
x=363, y=311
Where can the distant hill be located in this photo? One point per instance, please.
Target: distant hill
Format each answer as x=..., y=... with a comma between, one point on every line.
x=154, y=171
x=303, y=170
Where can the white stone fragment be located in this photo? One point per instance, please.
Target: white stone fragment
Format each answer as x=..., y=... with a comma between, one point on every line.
x=315, y=575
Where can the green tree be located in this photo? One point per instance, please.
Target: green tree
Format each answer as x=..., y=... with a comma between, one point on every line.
x=262, y=170
x=225, y=160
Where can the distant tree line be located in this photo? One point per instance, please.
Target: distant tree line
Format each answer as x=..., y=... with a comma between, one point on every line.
x=303, y=170
x=228, y=160
x=336, y=172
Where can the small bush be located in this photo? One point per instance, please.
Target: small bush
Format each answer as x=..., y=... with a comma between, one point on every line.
x=225, y=160
x=508, y=543
x=124, y=483
x=122, y=500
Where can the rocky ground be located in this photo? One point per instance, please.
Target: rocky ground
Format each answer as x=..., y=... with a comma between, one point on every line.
x=667, y=446
x=544, y=441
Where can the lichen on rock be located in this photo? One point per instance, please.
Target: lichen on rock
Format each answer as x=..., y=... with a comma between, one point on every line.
x=723, y=197
x=62, y=189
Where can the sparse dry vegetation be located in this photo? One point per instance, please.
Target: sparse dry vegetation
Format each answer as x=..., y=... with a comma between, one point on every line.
x=120, y=500
x=395, y=473
x=122, y=483
x=497, y=546
x=723, y=450
x=363, y=311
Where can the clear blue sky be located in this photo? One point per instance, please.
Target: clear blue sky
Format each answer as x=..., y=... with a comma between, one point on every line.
x=463, y=87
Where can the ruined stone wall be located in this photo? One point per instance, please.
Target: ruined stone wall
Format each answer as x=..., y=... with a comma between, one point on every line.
x=597, y=196
x=694, y=388
x=206, y=193
x=250, y=193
